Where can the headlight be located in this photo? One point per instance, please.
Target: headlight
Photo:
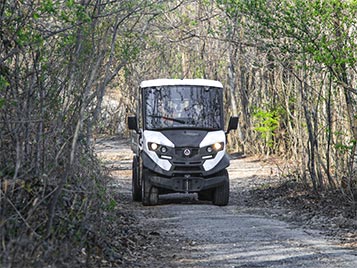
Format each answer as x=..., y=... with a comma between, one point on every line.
x=153, y=146
x=157, y=147
x=218, y=146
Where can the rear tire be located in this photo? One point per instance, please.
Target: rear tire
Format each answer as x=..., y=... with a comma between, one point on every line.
x=150, y=194
x=136, y=178
x=221, y=193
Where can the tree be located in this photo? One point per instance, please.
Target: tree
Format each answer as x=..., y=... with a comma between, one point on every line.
x=57, y=59
x=311, y=48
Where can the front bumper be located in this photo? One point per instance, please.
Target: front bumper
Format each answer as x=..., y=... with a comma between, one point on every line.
x=187, y=184
x=181, y=167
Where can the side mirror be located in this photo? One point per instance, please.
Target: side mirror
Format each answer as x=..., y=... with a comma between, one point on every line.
x=133, y=123
x=233, y=123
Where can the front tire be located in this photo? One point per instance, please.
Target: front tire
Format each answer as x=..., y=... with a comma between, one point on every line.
x=136, y=179
x=221, y=193
x=150, y=193
x=206, y=195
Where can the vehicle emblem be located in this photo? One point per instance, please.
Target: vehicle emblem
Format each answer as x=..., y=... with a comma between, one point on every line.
x=187, y=152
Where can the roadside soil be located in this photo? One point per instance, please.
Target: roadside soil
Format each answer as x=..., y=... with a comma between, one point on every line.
x=271, y=221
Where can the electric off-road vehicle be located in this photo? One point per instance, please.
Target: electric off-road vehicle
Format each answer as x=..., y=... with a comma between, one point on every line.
x=179, y=142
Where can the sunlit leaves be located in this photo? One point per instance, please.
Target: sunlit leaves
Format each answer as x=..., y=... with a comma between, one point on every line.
x=70, y=3
x=324, y=31
x=47, y=6
x=266, y=122
x=3, y=83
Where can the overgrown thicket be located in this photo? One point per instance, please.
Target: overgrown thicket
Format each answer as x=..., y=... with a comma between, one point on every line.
x=305, y=69
x=56, y=60
x=289, y=69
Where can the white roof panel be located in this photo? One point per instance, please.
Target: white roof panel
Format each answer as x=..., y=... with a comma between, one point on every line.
x=180, y=82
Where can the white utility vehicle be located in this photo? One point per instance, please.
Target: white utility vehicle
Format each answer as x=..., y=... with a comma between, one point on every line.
x=179, y=142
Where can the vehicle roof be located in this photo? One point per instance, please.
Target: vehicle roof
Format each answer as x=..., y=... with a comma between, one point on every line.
x=180, y=82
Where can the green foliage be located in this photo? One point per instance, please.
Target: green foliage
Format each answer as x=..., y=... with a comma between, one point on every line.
x=343, y=148
x=2, y=102
x=48, y=6
x=70, y=3
x=3, y=83
x=314, y=29
x=266, y=122
x=111, y=205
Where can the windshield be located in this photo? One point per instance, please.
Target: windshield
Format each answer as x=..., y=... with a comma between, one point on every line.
x=183, y=107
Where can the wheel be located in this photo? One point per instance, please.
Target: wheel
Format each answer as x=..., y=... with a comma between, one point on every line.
x=150, y=194
x=136, y=178
x=221, y=193
x=154, y=196
x=205, y=195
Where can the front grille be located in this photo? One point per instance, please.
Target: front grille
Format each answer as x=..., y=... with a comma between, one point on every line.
x=187, y=168
x=178, y=163
x=180, y=152
x=187, y=165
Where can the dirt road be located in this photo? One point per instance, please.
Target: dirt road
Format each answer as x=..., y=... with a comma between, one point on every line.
x=190, y=233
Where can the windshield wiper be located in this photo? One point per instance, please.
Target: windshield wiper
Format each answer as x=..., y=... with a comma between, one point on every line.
x=169, y=118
